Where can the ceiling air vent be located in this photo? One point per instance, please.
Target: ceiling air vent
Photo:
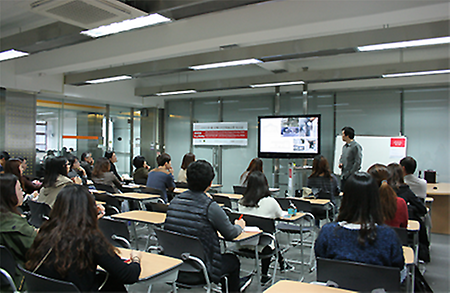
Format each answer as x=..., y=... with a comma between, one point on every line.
x=86, y=13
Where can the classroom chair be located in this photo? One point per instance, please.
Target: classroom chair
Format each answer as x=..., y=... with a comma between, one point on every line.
x=116, y=231
x=39, y=283
x=222, y=199
x=39, y=212
x=238, y=189
x=358, y=276
x=193, y=272
x=8, y=270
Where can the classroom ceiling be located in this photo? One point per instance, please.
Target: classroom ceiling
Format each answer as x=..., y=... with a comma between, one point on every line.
x=313, y=41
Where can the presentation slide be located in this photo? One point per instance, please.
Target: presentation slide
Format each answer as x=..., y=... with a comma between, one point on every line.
x=295, y=135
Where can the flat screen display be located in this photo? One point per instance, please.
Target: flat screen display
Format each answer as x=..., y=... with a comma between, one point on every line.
x=289, y=136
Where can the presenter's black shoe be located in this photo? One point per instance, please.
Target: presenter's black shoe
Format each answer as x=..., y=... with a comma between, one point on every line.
x=245, y=282
x=266, y=279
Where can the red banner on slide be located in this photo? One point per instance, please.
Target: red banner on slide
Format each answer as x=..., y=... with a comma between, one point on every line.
x=398, y=142
x=220, y=134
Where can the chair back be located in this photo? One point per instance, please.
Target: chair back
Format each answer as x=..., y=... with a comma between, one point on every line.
x=402, y=234
x=8, y=264
x=113, y=205
x=111, y=227
x=104, y=187
x=239, y=189
x=157, y=207
x=222, y=199
x=39, y=283
x=181, y=185
x=358, y=276
x=141, y=181
x=174, y=244
x=302, y=205
x=265, y=224
x=39, y=212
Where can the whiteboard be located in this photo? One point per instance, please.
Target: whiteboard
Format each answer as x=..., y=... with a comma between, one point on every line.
x=376, y=149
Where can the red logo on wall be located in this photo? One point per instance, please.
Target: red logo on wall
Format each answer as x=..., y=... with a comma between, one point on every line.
x=398, y=142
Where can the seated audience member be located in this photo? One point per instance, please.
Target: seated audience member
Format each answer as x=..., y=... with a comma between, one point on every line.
x=257, y=201
x=14, y=166
x=416, y=208
x=15, y=232
x=196, y=214
x=140, y=175
x=4, y=156
x=87, y=163
x=162, y=177
x=28, y=186
x=70, y=246
x=393, y=208
x=76, y=170
x=187, y=160
x=322, y=180
x=359, y=234
x=111, y=156
x=416, y=184
x=103, y=175
x=255, y=165
x=56, y=171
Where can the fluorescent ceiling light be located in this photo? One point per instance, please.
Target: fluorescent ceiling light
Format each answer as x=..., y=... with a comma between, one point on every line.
x=406, y=74
x=11, y=54
x=277, y=84
x=405, y=44
x=176, y=93
x=109, y=79
x=126, y=25
x=226, y=64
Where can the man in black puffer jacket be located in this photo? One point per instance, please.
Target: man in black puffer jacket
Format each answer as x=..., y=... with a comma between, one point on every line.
x=194, y=213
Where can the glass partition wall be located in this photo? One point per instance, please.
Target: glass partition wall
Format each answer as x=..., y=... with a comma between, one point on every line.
x=66, y=126
x=420, y=114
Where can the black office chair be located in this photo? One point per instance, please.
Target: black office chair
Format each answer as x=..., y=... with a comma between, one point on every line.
x=8, y=270
x=193, y=272
x=268, y=227
x=223, y=200
x=39, y=283
x=39, y=212
x=116, y=231
x=140, y=181
x=151, y=190
x=358, y=276
x=402, y=234
x=238, y=189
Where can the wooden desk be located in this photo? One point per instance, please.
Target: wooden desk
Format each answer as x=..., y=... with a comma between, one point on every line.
x=155, y=267
x=408, y=254
x=142, y=216
x=441, y=205
x=245, y=235
x=286, y=286
x=152, y=218
x=216, y=185
x=136, y=196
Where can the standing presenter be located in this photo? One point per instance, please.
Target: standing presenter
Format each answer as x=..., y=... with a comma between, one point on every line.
x=351, y=157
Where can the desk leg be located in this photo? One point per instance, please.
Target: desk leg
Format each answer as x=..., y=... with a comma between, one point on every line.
x=302, y=276
x=133, y=229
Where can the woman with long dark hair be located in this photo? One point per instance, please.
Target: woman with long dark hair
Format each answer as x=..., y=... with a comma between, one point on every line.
x=321, y=180
x=55, y=178
x=257, y=201
x=102, y=174
x=359, y=234
x=255, y=165
x=15, y=232
x=187, y=160
x=70, y=246
x=393, y=208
